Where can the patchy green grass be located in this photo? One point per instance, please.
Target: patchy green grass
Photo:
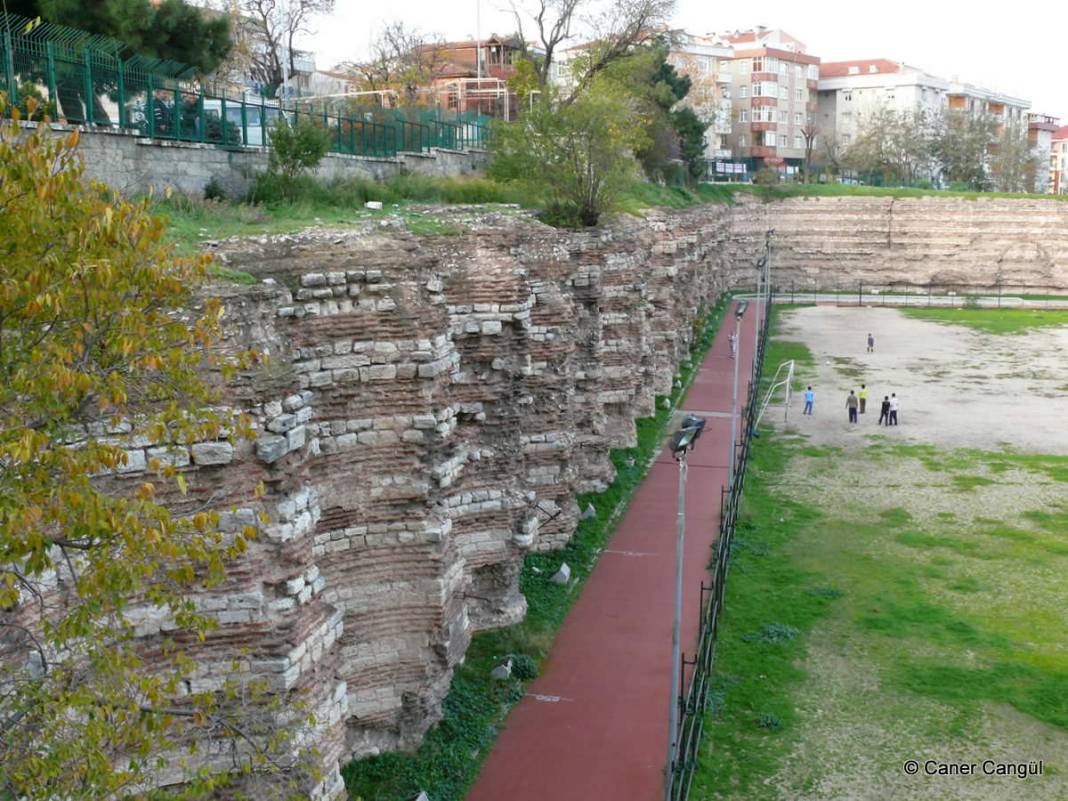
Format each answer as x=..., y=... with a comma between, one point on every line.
x=872, y=625
x=475, y=708
x=993, y=321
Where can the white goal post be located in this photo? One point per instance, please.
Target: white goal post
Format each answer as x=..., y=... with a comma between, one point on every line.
x=777, y=382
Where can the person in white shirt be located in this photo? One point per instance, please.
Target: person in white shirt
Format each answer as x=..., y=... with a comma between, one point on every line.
x=893, y=409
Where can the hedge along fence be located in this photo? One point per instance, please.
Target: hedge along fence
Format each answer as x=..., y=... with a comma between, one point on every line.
x=83, y=79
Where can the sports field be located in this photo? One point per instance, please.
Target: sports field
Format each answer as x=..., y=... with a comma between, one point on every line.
x=901, y=594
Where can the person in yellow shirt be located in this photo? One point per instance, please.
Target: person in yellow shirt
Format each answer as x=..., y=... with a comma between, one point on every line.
x=863, y=395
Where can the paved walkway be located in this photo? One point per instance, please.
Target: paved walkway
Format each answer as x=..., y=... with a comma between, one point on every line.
x=594, y=724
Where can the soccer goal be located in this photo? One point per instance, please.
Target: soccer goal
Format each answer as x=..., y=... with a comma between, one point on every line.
x=776, y=383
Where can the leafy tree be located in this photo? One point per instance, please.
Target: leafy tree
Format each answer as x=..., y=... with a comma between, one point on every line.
x=101, y=352
x=402, y=60
x=962, y=146
x=1012, y=162
x=297, y=147
x=577, y=156
x=168, y=29
x=271, y=28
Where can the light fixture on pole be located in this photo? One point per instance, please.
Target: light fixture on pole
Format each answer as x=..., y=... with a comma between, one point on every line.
x=739, y=312
x=682, y=442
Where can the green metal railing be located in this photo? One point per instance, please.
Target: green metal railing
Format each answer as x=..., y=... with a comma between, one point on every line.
x=82, y=79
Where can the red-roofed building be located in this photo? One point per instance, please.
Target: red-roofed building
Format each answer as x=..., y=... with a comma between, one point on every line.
x=772, y=89
x=1059, y=161
x=849, y=91
x=472, y=75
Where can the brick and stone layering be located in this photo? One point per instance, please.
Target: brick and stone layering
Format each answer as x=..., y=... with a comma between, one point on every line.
x=432, y=406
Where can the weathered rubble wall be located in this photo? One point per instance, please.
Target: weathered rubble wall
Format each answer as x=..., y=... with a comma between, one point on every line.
x=430, y=410
x=433, y=405
x=952, y=243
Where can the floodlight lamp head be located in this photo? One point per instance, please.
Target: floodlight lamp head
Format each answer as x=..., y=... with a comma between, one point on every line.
x=681, y=442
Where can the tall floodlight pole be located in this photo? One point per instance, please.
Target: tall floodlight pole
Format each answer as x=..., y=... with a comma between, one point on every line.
x=478, y=42
x=284, y=21
x=734, y=395
x=682, y=442
x=676, y=635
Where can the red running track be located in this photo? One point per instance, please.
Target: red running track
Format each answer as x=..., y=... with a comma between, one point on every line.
x=594, y=725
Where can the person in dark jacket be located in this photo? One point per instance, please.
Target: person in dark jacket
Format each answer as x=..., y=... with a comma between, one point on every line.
x=884, y=413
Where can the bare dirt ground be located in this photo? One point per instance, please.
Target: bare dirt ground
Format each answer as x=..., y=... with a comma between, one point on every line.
x=958, y=387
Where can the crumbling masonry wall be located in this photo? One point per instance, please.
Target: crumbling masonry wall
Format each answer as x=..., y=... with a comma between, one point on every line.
x=433, y=405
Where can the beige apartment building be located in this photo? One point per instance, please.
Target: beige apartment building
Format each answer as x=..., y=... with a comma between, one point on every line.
x=772, y=88
x=1058, y=161
x=705, y=60
x=850, y=91
x=1040, y=131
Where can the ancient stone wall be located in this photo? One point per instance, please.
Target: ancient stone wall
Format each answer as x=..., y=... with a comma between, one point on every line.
x=433, y=405
x=953, y=243
x=430, y=410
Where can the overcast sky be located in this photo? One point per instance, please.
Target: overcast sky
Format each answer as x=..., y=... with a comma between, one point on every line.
x=1013, y=47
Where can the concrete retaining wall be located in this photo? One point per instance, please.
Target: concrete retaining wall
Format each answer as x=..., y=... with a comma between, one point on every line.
x=132, y=164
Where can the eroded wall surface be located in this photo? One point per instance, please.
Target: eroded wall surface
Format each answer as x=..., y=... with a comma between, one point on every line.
x=432, y=406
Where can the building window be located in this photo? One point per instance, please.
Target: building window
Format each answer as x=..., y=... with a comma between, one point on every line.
x=742, y=140
x=783, y=117
x=725, y=67
x=847, y=97
x=797, y=118
x=726, y=92
x=784, y=69
x=744, y=65
x=784, y=93
x=743, y=91
x=798, y=142
x=769, y=138
x=783, y=140
x=799, y=95
x=743, y=115
x=846, y=138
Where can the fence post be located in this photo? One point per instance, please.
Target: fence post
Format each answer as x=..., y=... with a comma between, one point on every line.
x=860, y=293
x=53, y=90
x=202, y=116
x=88, y=86
x=352, y=134
x=150, y=106
x=9, y=69
x=222, y=120
x=263, y=125
x=244, y=121
x=122, y=95
x=178, y=112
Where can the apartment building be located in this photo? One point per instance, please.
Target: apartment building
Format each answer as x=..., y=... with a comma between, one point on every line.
x=705, y=60
x=1040, y=131
x=772, y=90
x=1058, y=161
x=849, y=91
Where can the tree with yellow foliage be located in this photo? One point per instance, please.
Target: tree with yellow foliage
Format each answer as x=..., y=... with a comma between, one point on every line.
x=100, y=356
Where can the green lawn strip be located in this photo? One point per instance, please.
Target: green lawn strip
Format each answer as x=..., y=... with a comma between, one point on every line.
x=993, y=321
x=770, y=605
x=961, y=614
x=1053, y=467
x=447, y=762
